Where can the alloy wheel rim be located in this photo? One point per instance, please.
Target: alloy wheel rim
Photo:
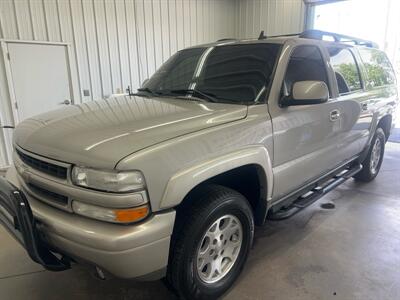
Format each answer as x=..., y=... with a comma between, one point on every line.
x=375, y=156
x=219, y=248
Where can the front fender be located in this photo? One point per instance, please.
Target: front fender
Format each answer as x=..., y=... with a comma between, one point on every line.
x=181, y=183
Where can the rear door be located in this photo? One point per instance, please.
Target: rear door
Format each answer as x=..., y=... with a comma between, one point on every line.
x=353, y=102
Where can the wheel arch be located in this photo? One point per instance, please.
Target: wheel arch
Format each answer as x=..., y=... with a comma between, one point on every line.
x=252, y=166
x=386, y=124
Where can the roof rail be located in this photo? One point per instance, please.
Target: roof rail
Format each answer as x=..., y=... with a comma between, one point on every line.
x=226, y=39
x=340, y=38
x=284, y=35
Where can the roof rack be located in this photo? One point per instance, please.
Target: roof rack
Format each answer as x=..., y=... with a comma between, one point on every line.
x=284, y=35
x=262, y=36
x=319, y=35
x=226, y=39
x=340, y=38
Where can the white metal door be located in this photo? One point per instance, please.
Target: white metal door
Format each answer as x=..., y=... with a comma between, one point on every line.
x=39, y=77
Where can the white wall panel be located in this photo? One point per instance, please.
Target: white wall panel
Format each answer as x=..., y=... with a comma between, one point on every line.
x=114, y=43
x=130, y=18
x=165, y=29
x=52, y=19
x=149, y=33
x=22, y=15
x=38, y=20
x=273, y=16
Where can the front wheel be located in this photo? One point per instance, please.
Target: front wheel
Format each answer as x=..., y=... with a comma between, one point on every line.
x=211, y=243
x=373, y=161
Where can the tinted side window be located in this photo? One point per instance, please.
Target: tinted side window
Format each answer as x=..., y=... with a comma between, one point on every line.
x=346, y=70
x=305, y=63
x=379, y=70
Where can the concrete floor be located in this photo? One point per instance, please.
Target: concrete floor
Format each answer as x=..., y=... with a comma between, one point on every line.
x=350, y=252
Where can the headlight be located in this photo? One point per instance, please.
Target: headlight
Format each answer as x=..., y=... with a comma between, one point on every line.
x=114, y=215
x=108, y=181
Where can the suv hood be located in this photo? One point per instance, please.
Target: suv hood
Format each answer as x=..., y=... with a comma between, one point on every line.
x=100, y=133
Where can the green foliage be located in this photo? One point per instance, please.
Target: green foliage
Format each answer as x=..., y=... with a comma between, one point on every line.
x=377, y=75
x=379, y=71
x=350, y=74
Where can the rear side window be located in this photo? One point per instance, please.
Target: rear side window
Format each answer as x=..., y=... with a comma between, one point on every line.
x=346, y=70
x=379, y=70
x=305, y=63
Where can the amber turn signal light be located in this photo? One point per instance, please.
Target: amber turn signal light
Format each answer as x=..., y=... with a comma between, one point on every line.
x=132, y=214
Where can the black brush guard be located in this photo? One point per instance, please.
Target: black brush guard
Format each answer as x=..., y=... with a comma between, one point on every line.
x=16, y=216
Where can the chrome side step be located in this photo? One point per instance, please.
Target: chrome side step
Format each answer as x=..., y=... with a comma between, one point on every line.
x=314, y=194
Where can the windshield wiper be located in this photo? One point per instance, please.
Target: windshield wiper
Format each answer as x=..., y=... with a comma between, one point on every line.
x=204, y=95
x=147, y=90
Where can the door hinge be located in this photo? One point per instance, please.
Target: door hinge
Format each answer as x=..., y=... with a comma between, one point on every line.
x=8, y=55
x=16, y=105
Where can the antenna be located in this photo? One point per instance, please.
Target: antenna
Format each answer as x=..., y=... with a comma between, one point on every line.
x=262, y=36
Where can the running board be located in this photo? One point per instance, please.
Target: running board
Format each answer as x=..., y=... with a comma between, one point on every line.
x=314, y=194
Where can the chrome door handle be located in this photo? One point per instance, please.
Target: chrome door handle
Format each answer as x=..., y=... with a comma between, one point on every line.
x=334, y=115
x=364, y=106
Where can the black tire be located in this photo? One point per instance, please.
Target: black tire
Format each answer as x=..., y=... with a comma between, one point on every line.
x=368, y=172
x=204, y=207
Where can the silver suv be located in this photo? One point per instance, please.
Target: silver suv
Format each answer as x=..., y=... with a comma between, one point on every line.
x=170, y=181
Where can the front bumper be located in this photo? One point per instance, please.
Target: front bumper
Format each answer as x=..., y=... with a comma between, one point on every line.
x=134, y=251
x=16, y=216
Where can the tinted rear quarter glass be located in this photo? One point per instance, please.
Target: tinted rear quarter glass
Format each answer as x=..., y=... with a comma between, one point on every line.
x=379, y=69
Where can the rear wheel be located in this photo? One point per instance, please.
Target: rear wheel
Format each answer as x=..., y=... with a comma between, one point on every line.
x=373, y=161
x=211, y=243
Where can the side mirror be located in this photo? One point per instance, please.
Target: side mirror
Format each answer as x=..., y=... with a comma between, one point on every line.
x=144, y=82
x=306, y=93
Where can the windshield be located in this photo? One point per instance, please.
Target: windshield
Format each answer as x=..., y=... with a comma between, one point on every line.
x=229, y=73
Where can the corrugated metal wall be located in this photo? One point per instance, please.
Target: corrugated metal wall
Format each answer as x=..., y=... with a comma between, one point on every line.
x=108, y=37
x=273, y=16
x=116, y=43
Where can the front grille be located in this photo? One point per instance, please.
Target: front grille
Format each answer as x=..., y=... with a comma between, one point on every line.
x=60, y=199
x=42, y=166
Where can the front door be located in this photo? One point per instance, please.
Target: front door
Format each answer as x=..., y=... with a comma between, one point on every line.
x=40, y=77
x=305, y=137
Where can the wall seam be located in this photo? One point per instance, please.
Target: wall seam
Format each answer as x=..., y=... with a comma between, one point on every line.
x=46, y=21
x=118, y=47
x=98, y=49
x=87, y=52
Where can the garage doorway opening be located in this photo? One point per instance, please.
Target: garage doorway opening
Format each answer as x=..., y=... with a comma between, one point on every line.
x=378, y=21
